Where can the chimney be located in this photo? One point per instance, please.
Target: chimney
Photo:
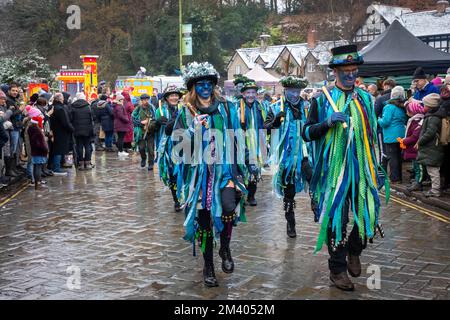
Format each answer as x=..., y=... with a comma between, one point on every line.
x=264, y=42
x=442, y=7
x=312, y=38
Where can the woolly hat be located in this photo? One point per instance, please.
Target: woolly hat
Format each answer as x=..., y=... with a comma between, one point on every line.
x=2, y=95
x=432, y=100
x=398, y=93
x=345, y=56
x=80, y=96
x=414, y=107
x=33, y=112
x=419, y=74
x=39, y=120
x=101, y=103
x=437, y=81
x=294, y=82
x=195, y=72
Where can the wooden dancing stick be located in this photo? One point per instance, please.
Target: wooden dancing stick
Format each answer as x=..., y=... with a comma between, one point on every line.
x=242, y=112
x=333, y=105
x=194, y=113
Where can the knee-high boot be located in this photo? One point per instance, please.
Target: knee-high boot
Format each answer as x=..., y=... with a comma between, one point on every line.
x=225, y=252
x=289, y=206
x=252, y=186
x=206, y=237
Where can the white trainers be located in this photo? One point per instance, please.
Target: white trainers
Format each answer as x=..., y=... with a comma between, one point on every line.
x=123, y=154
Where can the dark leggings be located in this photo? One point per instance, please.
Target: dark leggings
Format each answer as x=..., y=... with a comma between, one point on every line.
x=120, y=138
x=230, y=199
x=37, y=173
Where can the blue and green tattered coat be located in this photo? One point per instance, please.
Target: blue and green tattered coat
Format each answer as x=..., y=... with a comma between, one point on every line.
x=198, y=180
x=346, y=163
x=288, y=148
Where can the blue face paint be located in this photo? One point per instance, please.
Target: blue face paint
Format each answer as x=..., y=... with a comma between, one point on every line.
x=204, y=89
x=347, y=79
x=250, y=96
x=293, y=95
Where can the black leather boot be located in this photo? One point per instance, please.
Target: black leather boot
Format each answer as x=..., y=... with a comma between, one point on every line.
x=251, y=194
x=177, y=205
x=289, y=206
x=209, y=276
x=225, y=253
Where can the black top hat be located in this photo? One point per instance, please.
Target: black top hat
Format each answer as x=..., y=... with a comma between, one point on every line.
x=345, y=55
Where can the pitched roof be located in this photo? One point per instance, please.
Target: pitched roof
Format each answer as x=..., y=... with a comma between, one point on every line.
x=322, y=52
x=422, y=23
x=397, y=52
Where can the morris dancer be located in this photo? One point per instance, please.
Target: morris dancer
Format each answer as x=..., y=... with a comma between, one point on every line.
x=344, y=128
x=289, y=151
x=209, y=185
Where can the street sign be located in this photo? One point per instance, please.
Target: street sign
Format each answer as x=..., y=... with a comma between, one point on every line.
x=186, y=48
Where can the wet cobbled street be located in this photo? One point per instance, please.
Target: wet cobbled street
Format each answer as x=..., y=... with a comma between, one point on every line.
x=112, y=233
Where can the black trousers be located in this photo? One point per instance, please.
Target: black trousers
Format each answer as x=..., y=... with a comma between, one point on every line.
x=84, y=149
x=120, y=138
x=394, y=160
x=353, y=246
x=230, y=199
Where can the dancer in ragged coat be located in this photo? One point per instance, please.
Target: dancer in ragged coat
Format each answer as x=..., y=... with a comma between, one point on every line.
x=167, y=112
x=288, y=150
x=346, y=176
x=211, y=172
x=252, y=116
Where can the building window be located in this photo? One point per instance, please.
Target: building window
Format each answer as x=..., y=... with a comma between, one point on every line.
x=238, y=70
x=311, y=67
x=440, y=42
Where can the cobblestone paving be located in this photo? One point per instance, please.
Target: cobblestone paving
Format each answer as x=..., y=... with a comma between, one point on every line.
x=117, y=225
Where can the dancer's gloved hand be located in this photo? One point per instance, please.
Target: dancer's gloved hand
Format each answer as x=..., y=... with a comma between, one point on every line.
x=253, y=169
x=199, y=121
x=163, y=120
x=335, y=118
x=277, y=121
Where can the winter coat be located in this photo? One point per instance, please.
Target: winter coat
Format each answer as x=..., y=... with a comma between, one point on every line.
x=430, y=152
x=6, y=113
x=4, y=136
x=130, y=134
x=26, y=137
x=121, y=121
x=105, y=115
x=380, y=102
x=393, y=123
x=62, y=129
x=82, y=119
x=428, y=89
x=412, y=137
x=39, y=147
x=17, y=116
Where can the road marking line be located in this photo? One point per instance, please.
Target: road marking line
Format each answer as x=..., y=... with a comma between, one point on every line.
x=422, y=208
x=425, y=211
x=25, y=186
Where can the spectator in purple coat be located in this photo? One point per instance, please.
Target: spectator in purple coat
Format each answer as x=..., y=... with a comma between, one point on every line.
x=122, y=123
